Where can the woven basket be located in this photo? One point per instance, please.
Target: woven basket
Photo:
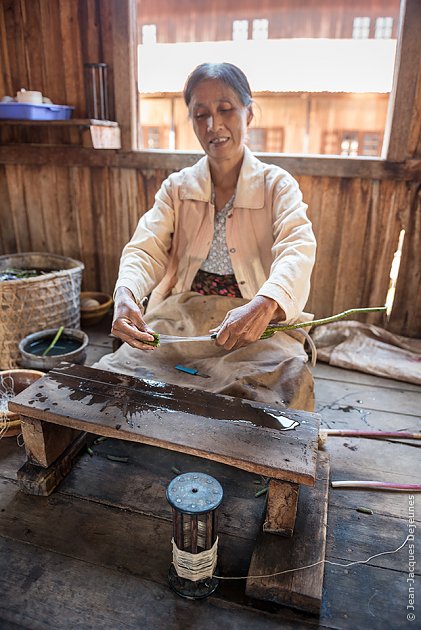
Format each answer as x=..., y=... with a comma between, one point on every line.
x=33, y=304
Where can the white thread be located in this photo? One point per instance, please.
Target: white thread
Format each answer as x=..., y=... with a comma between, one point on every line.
x=194, y=566
x=309, y=566
x=311, y=344
x=7, y=392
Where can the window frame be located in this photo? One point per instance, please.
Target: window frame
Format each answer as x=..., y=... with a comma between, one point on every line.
x=398, y=124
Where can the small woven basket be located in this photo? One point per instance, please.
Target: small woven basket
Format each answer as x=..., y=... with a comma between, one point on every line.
x=32, y=304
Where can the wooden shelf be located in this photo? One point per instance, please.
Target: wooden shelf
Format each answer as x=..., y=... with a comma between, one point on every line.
x=77, y=122
x=85, y=132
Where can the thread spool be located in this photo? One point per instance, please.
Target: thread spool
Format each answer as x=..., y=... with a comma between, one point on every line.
x=194, y=498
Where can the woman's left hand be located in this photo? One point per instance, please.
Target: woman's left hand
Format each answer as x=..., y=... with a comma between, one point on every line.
x=245, y=324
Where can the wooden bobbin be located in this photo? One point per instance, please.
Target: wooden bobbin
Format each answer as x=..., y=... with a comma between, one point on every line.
x=194, y=498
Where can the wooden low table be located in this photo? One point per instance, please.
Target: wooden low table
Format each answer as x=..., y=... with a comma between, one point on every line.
x=59, y=409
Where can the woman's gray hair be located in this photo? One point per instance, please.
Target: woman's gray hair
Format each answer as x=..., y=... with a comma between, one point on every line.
x=225, y=72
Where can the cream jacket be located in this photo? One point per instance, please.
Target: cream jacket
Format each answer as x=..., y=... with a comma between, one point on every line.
x=269, y=237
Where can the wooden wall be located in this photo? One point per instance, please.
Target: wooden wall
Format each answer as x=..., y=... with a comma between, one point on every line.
x=211, y=20
x=90, y=213
x=44, y=44
x=85, y=203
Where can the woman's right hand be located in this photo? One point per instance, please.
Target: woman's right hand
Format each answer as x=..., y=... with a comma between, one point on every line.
x=128, y=323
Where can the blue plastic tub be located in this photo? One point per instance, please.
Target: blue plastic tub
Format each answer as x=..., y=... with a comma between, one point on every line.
x=29, y=111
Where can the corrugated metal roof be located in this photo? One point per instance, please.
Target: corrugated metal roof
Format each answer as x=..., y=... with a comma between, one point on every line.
x=276, y=65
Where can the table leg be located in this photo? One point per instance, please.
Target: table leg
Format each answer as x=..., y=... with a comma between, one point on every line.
x=281, y=508
x=44, y=441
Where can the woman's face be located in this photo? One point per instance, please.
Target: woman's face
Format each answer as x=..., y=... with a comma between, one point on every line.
x=220, y=120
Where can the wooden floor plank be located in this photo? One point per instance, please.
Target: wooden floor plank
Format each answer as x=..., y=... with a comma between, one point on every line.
x=329, y=372
x=139, y=485
x=345, y=417
x=365, y=597
x=361, y=396
x=99, y=534
x=41, y=589
x=351, y=537
x=111, y=574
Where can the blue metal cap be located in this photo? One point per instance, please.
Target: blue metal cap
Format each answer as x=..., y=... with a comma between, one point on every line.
x=194, y=493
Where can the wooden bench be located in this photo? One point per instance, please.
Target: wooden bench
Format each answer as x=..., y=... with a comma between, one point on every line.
x=58, y=411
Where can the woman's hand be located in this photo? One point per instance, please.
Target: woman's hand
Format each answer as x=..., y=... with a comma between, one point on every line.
x=245, y=324
x=128, y=323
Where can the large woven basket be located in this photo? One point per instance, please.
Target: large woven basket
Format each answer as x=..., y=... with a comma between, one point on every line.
x=33, y=304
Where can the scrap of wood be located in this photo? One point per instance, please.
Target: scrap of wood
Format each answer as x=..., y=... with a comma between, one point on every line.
x=102, y=137
x=275, y=554
x=281, y=508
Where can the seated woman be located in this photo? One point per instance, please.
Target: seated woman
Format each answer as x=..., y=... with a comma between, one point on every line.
x=227, y=247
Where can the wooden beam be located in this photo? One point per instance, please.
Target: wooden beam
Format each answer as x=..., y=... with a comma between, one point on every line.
x=402, y=104
x=44, y=442
x=274, y=554
x=320, y=166
x=124, y=70
x=43, y=481
x=281, y=508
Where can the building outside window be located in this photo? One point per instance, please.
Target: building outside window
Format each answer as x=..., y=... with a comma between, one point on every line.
x=240, y=29
x=383, y=28
x=149, y=34
x=260, y=29
x=352, y=143
x=152, y=137
x=266, y=139
x=312, y=84
x=371, y=143
x=349, y=144
x=361, y=28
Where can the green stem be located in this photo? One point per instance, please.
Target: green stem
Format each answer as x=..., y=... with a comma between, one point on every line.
x=156, y=341
x=54, y=341
x=273, y=328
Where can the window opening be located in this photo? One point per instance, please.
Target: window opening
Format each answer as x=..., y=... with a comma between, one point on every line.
x=327, y=86
x=260, y=29
x=384, y=26
x=394, y=273
x=149, y=34
x=266, y=139
x=361, y=28
x=240, y=30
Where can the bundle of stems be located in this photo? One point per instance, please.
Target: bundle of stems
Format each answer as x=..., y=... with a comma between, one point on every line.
x=156, y=341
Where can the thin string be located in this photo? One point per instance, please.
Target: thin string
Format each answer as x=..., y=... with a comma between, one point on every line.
x=195, y=566
x=7, y=392
x=309, y=566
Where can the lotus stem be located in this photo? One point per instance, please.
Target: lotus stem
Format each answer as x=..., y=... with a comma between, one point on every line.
x=54, y=341
x=273, y=328
x=377, y=485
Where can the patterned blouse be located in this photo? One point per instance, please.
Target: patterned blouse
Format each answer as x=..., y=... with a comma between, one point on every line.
x=216, y=275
